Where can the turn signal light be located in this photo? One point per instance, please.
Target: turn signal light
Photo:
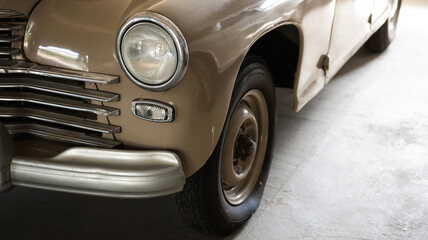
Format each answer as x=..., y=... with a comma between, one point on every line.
x=153, y=111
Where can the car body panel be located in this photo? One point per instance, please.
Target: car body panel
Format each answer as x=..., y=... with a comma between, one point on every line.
x=353, y=25
x=87, y=42
x=81, y=35
x=19, y=6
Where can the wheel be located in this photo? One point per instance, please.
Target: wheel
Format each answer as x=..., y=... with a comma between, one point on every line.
x=227, y=190
x=384, y=36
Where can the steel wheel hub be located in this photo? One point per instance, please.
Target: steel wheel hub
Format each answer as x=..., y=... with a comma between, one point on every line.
x=244, y=147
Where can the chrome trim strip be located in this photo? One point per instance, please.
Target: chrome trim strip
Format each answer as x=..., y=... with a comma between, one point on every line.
x=169, y=108
x=9, y=13
x=45, y=71
x=58, y=88
x=57, y=102
x=9, y=51
x=12, y=26
x=73, y=75
x=57, y=134
x=9, y=39
x=102, y=172
x=57, y=118
x=176, y=35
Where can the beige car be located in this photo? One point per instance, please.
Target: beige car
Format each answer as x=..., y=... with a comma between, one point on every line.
x=140, y=98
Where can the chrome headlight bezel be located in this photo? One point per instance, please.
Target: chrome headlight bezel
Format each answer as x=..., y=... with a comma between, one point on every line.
x=179, y=42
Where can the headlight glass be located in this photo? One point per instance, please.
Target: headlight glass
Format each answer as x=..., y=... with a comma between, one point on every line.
x=149, y=53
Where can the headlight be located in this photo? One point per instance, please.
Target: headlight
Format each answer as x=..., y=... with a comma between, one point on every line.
x=149, y=53
x=152, y=51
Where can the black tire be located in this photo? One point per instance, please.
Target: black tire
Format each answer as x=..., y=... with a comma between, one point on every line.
x=202, y=203
x=380, y=41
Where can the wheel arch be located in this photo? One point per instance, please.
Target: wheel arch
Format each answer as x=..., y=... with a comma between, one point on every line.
x=292, y=35
x=281, y=47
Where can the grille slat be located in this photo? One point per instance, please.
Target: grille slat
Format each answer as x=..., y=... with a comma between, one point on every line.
x=57, y=118
x=58, y=134
x=58, y=88
x=9, y=51
x=9, y=13
x=9, y=39
x=33, y=69
x=12, y=26
x=57, y=102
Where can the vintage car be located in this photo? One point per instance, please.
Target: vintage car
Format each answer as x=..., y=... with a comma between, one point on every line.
x=145, y=98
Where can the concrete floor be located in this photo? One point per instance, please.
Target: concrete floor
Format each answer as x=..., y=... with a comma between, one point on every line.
x=351, y=165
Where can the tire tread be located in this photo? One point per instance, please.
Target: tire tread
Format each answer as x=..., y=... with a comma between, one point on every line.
x=188, y=204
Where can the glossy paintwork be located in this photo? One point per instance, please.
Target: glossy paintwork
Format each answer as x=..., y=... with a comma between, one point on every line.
x=81, y=35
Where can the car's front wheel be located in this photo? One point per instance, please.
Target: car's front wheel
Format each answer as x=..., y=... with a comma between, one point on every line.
x=228, y=189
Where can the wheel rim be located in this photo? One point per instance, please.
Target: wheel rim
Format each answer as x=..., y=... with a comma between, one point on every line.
x=393, y=16
x=244, y=147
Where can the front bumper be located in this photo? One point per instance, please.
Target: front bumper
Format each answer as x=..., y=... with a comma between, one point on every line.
x=102, y=172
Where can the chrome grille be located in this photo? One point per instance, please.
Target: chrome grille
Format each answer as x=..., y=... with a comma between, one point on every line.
x=11, y=38
x=54, y=103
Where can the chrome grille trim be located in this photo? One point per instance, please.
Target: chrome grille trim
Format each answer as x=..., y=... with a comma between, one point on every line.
x=57, y=118
x=10, y=39
x=49, y=102
x=58, y=88
x=12, y=26
x=52, y=72
x=57, y=102
x=57, y=134
x=9, y=13
x=9, y=51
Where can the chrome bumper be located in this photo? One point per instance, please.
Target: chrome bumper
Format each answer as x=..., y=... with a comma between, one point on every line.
x=102, y=172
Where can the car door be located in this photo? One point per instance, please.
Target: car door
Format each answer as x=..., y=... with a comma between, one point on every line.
x=351, y=26
x=316, y=30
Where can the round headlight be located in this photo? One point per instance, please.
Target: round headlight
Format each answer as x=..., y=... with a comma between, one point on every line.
x=152, y=51
x=149, y=53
